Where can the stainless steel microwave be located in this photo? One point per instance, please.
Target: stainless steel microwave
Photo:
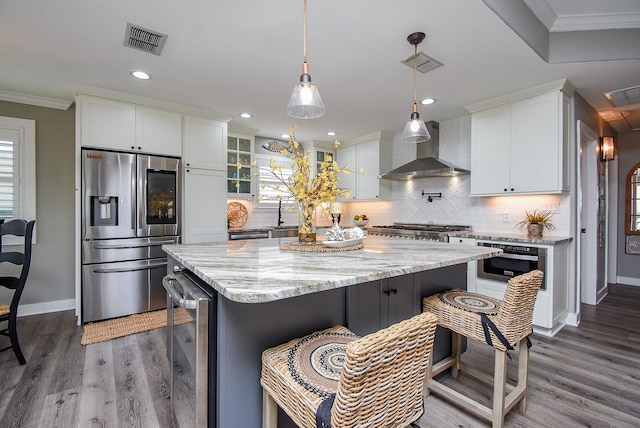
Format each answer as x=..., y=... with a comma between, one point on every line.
x=514, y=261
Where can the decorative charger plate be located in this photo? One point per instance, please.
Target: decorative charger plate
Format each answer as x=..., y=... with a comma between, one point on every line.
x=236, y=214
x=345, y=243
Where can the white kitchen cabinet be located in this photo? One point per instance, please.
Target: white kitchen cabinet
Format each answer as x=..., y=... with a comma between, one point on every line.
x=158, y=131
x=117, y=125
x=321, y=154
x=106, y=123
x=239, y=149
x=521, y=147
x=348, y=157
x=204, y=143
x=366, y=157
x=552, y=304
x=205, y=208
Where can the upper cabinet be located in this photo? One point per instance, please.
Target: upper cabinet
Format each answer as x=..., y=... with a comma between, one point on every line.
x=107, y=123
x=239, y=151
x=111, y=124
x=366, y=157
x=204, y=143
x=158, y=131
x=521, y=147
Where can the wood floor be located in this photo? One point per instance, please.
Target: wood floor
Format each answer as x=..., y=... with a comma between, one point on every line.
x=587, y=376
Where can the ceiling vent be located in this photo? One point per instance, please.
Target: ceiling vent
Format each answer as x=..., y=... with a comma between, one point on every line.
x=626, y=111
x=424, y=62
x=145, y=40
x=624, y=97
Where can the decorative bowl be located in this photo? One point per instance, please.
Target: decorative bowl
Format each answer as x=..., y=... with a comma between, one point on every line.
x=360, y=223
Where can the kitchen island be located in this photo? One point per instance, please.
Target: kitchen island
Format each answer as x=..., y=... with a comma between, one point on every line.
x=265, y=296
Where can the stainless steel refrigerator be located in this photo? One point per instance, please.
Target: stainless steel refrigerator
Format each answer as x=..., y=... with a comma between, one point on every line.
x=130, y=208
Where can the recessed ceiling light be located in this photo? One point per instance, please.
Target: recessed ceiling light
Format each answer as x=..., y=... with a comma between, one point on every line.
x=285, y=136
x=428, y=101
x=331, y=133
x=140, y=75
x=245, y=115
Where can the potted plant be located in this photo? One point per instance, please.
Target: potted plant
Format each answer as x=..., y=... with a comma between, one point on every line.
x=536, y=222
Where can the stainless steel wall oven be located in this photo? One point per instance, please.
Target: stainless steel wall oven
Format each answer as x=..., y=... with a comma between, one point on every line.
x=516, y=260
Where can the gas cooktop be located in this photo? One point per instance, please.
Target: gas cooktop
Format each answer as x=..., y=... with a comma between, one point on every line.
x=433, y=232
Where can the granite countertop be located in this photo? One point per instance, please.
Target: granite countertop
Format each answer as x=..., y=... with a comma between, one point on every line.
x=255, y=271
x=515, y=237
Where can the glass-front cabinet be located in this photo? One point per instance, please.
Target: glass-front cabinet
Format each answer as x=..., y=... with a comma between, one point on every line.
x=239, y=149
x=321, y=156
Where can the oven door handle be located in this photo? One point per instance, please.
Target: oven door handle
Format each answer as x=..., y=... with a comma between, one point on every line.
x=518, y=257
x=177, y=296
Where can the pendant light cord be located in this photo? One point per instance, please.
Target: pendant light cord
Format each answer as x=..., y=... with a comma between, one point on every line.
x=304, y=31
x=415, y=62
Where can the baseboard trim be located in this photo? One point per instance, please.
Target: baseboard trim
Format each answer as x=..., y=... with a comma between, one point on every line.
x=573, y=319
x=626, y=280
x=46, y=307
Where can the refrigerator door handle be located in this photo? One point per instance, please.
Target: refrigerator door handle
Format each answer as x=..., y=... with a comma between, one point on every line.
x=139, y=245
x=133, y=196
x=115, y=270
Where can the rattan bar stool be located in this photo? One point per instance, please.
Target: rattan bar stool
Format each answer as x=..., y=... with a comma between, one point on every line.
x=333, y=378
x=501, y=324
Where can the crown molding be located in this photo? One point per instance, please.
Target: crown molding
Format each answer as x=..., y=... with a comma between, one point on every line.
x=16, y=97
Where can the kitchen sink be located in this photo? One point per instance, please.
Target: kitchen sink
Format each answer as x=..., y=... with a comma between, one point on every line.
x=283, y=232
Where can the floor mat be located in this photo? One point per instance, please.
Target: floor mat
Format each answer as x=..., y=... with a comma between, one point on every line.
x=119, y=327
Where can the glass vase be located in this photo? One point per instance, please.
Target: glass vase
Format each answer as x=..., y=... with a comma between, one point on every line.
x=307, y=224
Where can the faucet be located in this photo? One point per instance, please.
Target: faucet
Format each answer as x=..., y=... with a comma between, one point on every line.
x=280, y=222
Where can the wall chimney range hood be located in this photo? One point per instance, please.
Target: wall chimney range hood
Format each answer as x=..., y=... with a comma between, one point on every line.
x=427, y=164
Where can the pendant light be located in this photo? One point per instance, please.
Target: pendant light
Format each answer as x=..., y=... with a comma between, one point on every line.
x=305, y=102
x=415, y=131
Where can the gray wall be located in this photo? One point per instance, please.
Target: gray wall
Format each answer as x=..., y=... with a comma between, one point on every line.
x=628, y=155
x=51, y=277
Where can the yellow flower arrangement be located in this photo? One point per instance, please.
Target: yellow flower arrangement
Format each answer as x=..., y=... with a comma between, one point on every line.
x=308, y=190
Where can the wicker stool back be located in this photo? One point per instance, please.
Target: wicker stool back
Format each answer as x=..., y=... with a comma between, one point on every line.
x=512, y=318
x=381, y=383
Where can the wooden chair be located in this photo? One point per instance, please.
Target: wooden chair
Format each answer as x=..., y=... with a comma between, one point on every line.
x=332, y=378
x=501, y=324
x=9, y=312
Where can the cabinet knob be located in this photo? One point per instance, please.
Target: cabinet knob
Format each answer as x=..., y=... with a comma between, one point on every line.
x=512, y=189
x=505, y=190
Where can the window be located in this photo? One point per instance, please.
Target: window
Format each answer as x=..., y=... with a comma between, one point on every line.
x=270, y=189
x=17, y=168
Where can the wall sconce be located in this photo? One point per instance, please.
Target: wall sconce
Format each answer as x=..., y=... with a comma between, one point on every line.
x=607, y=147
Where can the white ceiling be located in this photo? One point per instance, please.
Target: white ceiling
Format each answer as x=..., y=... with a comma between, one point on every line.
x=246, y=55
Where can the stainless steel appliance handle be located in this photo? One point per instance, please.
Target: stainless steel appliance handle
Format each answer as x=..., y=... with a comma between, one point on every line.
x=517, y=257
x=140, y=245
x=134, y=202
x=167, y=283
x=145, y=267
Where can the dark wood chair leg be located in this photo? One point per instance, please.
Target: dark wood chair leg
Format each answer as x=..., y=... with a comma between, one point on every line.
x=13, y=335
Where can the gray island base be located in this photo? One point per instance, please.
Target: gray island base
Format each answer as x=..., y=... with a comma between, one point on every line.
x=266, y=297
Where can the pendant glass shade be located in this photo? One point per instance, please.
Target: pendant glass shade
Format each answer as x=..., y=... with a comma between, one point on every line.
x=305, y=102
x=415, y=131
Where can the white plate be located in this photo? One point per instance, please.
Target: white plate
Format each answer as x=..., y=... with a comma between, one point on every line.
x=345, y=243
